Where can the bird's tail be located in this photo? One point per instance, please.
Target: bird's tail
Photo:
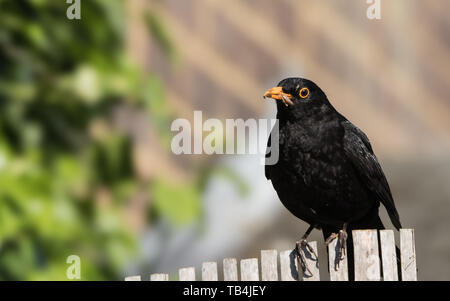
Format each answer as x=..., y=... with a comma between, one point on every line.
x=374, y=223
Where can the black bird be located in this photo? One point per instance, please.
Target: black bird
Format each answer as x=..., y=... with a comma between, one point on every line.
x=327, y=173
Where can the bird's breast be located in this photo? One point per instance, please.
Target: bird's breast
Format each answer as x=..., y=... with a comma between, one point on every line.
x=314, y=165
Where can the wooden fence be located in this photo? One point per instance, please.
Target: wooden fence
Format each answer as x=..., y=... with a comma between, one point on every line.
x=366, y=259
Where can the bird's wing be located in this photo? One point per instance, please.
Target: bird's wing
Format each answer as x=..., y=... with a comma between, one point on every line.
x=358, y=149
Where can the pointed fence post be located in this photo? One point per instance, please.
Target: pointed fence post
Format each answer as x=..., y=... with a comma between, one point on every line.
x=249, y=269
x=209, y=271
x=367, y=262
x=187, y=274
x=133, y=278
x=269, y=265
x=388, y=256
x=288, y=266
x=338, y=268
x=408, y=255
x=312, y=262
x=159, y=277
x=230, y=272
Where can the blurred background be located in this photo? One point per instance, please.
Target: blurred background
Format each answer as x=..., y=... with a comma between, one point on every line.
x=86, y=107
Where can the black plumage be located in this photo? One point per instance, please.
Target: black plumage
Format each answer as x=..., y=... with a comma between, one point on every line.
x=327, y=173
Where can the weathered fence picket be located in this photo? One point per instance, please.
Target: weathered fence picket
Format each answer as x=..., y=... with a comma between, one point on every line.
x=269, y=266
x=408, y=255
x=133, y=278
x=249, y=269
x=186, y=274
x=312, y=274
x=338, y=268
x=159, y=277
x=389, y=258
x=209, y=271
x=230, y=270
x=366, y=261
x=288, y=266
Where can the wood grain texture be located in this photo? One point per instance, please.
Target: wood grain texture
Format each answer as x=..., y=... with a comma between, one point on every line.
x=338, y=269
x=367, y=263
x=230, y=272
x=187, y=274
x=159, y=277
x=288, y=266
x=408, y=255
x=269, y=265
x=209, y=271
x=312, y=263
x=388, y=256
x=249, y=269
x=133, y=278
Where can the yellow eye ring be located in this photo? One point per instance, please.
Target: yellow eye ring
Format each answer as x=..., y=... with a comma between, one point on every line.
x=304, y=92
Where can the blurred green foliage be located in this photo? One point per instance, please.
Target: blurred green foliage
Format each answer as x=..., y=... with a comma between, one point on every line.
x=179, y=203
x=65, y=174
x=158, y=31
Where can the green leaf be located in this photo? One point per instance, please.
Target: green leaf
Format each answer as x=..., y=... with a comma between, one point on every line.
x=179, y=203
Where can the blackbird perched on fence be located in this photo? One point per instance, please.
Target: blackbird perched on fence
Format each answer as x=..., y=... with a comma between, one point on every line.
x=327, y=173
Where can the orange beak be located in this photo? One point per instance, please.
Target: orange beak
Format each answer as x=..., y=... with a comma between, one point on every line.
x=278, y=94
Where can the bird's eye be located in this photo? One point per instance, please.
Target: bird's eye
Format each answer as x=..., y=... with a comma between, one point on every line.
x=304, y=92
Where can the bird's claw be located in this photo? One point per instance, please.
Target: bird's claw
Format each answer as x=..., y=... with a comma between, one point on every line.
x=300, y=254
x=342, y=243
x=331, y=238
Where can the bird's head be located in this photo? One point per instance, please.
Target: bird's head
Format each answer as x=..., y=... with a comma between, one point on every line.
x=296, y=96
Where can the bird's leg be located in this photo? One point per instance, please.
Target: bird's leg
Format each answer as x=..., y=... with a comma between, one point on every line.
x=303, y=243
x=342, y=241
